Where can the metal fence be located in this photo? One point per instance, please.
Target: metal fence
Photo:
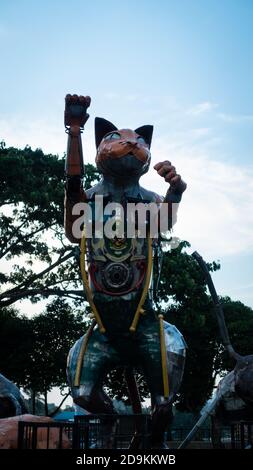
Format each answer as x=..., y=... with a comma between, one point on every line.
x=242, y=435
x=88, y=432
x=116, y=432
x=32, y=435
x=179, y=434
x=120, y=432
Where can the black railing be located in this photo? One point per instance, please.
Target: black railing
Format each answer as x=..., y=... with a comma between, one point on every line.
x=242, y=435
x=180, y=433
x=34, y=435
x=88, y=432
x=119, y=432
x=112, y=431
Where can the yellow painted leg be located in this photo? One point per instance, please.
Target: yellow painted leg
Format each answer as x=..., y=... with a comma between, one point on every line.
x=164, y=359
x=81, y=354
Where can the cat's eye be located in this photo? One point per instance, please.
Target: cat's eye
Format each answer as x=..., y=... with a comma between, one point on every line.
x=141, y=140
x=113, y=136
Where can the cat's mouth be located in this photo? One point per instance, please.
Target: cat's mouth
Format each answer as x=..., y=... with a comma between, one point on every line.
x=124, y=166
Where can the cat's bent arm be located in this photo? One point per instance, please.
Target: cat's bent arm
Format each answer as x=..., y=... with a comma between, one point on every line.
x=174, y=194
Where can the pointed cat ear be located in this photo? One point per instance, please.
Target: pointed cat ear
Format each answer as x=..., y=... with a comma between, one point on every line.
x=102, y=127
x=146, y=132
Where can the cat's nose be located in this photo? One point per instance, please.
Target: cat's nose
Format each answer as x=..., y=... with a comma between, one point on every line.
x=130, y=142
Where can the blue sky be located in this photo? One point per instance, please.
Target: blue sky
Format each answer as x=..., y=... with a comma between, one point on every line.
x=185, y=66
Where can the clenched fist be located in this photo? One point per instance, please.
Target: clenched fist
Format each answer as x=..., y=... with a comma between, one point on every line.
x=76, y=110
x=168, y=172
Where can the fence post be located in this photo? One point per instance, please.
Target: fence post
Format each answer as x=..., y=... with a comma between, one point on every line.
x=20, y=434
x=242, y=435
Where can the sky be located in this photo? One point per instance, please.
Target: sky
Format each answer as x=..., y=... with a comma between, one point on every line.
x=185, y=66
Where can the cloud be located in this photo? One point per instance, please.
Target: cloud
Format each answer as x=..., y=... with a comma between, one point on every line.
x=47, y=134
x=216, y=214
x=112, y=96
x=200, y=132
x=19, y=132
x=201, y=108
x=235, y=118
x=124, y=97
x=207, y=106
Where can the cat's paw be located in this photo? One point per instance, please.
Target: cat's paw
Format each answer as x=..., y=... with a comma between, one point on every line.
x=76, y=110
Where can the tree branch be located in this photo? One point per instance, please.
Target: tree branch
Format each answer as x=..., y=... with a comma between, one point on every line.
x=24, y=237
x=14, y=231
x=12, y=297
x=30, y=280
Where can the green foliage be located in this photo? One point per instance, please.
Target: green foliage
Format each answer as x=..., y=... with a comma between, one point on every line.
x=239, y=319
x=31, y=227
x=54, y=332
x=117, y=389
x=33, y=352
x=16, y=343
x=37, y=262
x=193, y=313
x=32, y=178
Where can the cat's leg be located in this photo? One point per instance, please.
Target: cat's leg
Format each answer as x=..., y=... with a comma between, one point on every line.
x=151, y=363
x=99, y=358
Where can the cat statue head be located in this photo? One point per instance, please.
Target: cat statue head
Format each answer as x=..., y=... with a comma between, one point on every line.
x=122, y=153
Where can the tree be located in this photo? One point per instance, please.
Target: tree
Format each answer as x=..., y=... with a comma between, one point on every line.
x=239, y=319
x=16, y=342
x=31, y=227
x=193, y=313
x=38, y=262
x=33, y=352
x=54, y=332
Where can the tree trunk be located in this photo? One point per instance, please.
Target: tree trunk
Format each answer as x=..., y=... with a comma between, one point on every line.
x=33, y=397
x=46, y=404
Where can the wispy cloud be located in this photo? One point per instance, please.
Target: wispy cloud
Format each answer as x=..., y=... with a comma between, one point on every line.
x=207, y=107
x=216, y=214
x=48, y=135
x=235, y=118
x=244, y=287
x=110, y=95
x=124, y=97
x=199, y=132
x=201, y=108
